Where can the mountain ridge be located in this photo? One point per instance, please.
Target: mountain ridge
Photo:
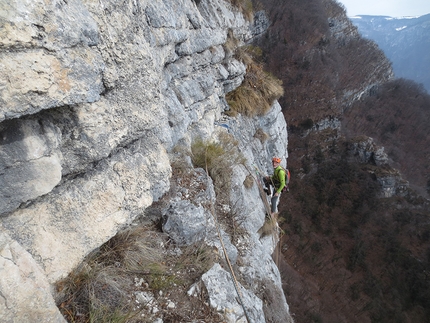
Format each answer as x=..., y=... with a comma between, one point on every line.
x=404, y=41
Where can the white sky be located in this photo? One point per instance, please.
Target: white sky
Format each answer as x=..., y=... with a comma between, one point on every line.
x=393, y=8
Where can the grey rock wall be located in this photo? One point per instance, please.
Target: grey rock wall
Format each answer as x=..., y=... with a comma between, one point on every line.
x=94, y=96
x=47, y=60
x=31, y=164
x=24, y=296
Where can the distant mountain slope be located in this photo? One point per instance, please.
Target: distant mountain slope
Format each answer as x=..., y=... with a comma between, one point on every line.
x=405, y=41
x=349, y=256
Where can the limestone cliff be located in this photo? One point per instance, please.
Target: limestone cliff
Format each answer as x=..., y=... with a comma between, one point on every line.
x=95, y=96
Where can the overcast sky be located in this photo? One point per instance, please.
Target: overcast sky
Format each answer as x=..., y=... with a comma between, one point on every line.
x=393, y=8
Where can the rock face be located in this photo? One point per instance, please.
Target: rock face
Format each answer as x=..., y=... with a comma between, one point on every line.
x=23, y=286
x=94, y=97
x=366, y=151
x=223, y=293
x=46, y=58
x=31, y=164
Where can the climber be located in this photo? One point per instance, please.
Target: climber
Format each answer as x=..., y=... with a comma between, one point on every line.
x=279, y=180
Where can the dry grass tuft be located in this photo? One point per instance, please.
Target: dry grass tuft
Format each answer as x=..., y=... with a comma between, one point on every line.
x=261, y=135
x=270, y=227
x=259, y=89
x=249, y=181
x=135, y=249
x=248, y=54
x=201, y=258
x=97, y=291
x=102, y=289
x=257, y=93
x=231, y=44
x=94, y=293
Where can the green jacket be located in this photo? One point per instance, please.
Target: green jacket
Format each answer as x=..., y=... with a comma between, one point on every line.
x=278, y=179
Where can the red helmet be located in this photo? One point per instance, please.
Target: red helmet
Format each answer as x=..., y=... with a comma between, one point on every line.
x=276, y=159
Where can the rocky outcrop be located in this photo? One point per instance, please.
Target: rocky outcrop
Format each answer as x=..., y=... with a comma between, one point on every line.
x=24, y=287
x=94, y=98
x=365, y=151
x=216, y=280
x=188, y=220
x=31, y=164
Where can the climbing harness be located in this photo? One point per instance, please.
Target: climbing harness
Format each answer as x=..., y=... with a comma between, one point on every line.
x=262, y=193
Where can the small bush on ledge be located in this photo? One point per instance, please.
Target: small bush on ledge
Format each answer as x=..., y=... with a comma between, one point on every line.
x=219, y=158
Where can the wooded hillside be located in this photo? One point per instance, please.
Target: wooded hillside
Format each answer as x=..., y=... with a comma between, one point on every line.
x=349, y=255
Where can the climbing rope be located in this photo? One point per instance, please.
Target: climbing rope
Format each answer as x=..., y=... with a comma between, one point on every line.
x=263, y=197
x=276, y=229
x=235, y=282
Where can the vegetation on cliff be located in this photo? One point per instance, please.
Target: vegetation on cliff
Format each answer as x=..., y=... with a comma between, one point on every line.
x=360, y=258
x=136, y=274
x=318, y=59
x=259, y=89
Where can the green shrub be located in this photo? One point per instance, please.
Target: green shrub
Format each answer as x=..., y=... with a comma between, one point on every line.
x=218, y=158
x=206, y=154
x=102, y=313
x=307, y=124
x=315, y=318
x=159, y=280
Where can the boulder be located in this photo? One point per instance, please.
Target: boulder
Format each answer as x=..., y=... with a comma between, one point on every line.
x=25, y=293
x=223, y=297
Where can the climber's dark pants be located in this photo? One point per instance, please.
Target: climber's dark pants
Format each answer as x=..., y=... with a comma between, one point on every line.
x=274, y=201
